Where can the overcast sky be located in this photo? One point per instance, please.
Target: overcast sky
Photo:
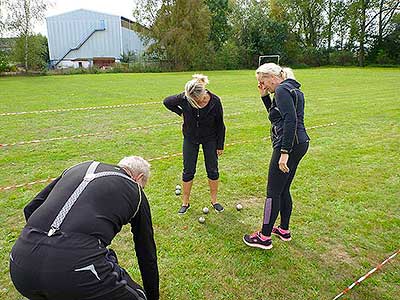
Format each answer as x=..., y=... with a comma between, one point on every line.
x=114, y=7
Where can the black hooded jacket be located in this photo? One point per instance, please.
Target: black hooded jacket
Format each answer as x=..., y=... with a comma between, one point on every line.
x=200, y=125
x=286, y=113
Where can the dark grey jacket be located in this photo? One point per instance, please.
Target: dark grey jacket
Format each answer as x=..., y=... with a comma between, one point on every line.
x=286, y=113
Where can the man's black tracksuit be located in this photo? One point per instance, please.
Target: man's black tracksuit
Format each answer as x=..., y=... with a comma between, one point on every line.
x=74, y=262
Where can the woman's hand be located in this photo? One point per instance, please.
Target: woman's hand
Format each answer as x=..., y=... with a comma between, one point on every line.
x=283, y=163
x=262, y=89
x=220, y=152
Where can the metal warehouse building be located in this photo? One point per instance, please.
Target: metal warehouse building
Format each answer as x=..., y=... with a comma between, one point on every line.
x=83, y=38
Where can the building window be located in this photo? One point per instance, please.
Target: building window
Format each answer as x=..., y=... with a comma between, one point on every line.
x=126, y=23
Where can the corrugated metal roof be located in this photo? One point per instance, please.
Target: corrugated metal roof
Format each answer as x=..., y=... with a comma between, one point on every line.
x=82, y=10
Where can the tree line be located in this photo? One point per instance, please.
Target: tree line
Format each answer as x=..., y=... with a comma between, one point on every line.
x=230, y=34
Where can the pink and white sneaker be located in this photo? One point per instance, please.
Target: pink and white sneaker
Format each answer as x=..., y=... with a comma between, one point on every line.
x=283, y=234
x=258, y=240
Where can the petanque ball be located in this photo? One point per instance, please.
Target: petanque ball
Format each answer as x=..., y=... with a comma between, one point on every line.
x=202, y=220
x=177, y=192
x=239, y=207
x=205, y=210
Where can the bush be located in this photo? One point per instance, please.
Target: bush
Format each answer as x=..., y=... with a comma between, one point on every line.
x=383, y=58
x=228, y=56
x=312, y=57
x=4, y=62
x=342, y=58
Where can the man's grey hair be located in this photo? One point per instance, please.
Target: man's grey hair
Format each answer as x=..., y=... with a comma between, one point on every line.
x=136, y=165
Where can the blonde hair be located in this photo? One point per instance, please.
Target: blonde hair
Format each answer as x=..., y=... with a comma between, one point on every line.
x=276, y=70
x=195, y=88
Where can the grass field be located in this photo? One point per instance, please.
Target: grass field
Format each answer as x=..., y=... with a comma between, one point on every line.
x=346, y=216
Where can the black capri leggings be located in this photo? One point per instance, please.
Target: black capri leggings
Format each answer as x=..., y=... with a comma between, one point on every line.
x=190, y=154
x=278, y=189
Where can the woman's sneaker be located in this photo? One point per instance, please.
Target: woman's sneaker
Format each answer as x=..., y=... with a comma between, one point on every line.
x=218, y=207
x=284, y=235
x=183, y=209
x=258, y=240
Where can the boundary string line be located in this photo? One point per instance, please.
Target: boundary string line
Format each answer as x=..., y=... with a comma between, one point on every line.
x=7, y=188
x=76, y=109
x=357, y=282
x=77, y=136
x=101, y=133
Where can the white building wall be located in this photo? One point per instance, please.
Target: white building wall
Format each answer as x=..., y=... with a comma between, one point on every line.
x=67, y=30
x=131, y=41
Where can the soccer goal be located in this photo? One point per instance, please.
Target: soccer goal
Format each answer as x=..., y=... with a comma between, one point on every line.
x=263, y=59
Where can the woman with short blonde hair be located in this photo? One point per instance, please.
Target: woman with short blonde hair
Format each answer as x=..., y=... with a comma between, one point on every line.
x=203, y=124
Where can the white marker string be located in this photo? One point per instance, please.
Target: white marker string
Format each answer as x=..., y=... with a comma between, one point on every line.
x=150, y=159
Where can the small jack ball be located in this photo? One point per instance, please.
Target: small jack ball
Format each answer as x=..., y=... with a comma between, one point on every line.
x=178, y=187
x=239, y=207
x=177, y=192
x=202, y=220
x=205, y=210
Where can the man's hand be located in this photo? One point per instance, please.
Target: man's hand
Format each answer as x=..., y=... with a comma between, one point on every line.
x=220, y=152
x=283, y=163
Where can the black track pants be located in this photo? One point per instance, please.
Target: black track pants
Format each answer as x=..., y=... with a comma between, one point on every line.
x=278, y=198
x=68, y=267
x=190, y=154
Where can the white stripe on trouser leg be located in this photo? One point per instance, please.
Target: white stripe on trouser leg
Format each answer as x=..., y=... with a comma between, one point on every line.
x=134, y=292
x=144, y=295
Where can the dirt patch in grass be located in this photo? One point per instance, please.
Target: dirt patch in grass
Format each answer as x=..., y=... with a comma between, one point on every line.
x=337, y=254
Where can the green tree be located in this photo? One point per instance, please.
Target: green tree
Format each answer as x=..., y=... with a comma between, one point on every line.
x=219, y=31
x=178, y=31
x=306, y=19
x=38, y=53
x=23, y=16
x=387, y=50
x=257, y=33
x=370, y=22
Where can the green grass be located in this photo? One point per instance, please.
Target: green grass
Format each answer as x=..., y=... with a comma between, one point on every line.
x=346, y=216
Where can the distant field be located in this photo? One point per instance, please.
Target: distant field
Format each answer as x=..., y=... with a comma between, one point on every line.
x=346, y=216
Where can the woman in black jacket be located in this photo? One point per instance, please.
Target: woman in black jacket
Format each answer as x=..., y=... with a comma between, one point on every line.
x=203, y=124
x=290, y=144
